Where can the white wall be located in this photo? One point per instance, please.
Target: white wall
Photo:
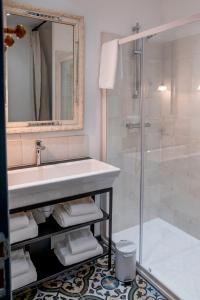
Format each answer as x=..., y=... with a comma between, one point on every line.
x=173, y=9
x=117, y=16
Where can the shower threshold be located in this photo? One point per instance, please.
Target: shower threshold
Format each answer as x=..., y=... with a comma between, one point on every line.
x=170, y=255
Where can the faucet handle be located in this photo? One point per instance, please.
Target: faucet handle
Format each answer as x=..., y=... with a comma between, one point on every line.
x=39, y=144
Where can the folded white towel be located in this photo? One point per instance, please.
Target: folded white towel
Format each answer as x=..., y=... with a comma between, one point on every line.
x=79, y=207
x=25, y=278
x=19, y=264
x=81, y=240
x=65, y=257
x=38, y=216
x=46, y=210
x=65, y=220
x=28, y=232
x=108, y=64
x=18, y=221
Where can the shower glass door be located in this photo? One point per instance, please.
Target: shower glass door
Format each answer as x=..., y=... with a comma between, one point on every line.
x=171, y=204
x=123, y=144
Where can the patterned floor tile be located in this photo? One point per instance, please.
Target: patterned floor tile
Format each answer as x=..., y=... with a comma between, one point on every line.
x=92, y=282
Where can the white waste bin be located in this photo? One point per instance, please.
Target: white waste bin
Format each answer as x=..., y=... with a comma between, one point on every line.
x=125, y=263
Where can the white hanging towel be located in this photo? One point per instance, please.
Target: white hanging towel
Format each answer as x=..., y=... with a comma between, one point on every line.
x=81, y=240
x=79, y=207
x=19, y=263
x=18, y=221
x=108, y=64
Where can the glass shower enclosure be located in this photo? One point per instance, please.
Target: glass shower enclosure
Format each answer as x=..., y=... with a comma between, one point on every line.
x=153, y=135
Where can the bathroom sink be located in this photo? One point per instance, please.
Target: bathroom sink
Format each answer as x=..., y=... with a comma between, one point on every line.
x=33, y=185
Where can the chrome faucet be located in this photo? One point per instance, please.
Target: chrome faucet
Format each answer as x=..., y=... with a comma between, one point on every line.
x=39, y=148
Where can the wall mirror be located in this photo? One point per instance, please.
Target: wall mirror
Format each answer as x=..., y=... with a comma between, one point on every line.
x=44, y=70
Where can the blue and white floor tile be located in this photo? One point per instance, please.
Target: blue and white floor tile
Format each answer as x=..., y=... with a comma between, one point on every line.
x=92, y=282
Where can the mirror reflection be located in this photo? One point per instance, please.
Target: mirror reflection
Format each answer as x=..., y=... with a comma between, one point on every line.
x=41, y=71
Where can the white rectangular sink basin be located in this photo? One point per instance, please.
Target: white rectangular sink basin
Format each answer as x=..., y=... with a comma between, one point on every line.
x=33, y=185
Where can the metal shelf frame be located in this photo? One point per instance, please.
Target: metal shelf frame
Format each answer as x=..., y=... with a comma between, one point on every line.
x=47, y=230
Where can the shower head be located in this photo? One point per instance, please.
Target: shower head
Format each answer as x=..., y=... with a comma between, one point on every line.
x=136, y=28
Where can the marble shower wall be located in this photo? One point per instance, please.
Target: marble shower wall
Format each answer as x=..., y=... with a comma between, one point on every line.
x=172, y=143
x=180, y=166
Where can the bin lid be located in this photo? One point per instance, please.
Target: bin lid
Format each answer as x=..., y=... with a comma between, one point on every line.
x=126, y=246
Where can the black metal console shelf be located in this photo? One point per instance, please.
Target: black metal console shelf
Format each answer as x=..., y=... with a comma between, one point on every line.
x=45, y=261
x=61, y=200
x=48, y=267
x=51, y=228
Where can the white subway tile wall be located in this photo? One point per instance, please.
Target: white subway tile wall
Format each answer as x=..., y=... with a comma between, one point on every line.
x=22, y=152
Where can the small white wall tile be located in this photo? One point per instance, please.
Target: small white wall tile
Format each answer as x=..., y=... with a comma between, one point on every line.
x=28, y=152
x=77, y=147
x=14, y=153
x=55, y=149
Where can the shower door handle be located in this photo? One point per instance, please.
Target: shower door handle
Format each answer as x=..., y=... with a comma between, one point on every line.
x=137, y=125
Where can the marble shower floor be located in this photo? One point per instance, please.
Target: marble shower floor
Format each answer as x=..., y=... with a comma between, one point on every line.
x=170, y=254
x=92, y=282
